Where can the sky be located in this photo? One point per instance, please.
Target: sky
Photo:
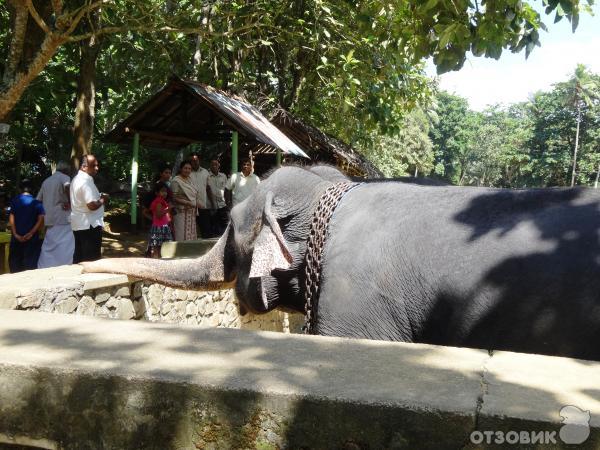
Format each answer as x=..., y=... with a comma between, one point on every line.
x=512, y=78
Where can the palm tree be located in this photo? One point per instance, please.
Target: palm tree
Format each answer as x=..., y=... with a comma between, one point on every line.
x=579, y=92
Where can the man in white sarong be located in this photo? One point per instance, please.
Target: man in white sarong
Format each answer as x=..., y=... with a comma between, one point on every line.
x=59, y=243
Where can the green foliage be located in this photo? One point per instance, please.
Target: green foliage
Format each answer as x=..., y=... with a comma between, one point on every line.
x=408, y=152
x=447, y=30
x=527, y=144
x=352, y=69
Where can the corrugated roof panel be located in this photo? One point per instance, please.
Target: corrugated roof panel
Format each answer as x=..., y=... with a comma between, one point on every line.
x=247, y=117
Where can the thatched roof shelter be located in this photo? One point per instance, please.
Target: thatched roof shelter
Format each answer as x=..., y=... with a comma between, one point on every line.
x=184, y=112
x=320, y=147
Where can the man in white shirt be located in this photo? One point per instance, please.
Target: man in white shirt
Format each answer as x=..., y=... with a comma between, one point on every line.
x=59, y=243
x=219, y=215
x=87, y=212
x=199, y=177
x=241, y=184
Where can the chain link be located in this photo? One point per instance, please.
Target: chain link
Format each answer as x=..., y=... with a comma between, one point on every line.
x=314, y=249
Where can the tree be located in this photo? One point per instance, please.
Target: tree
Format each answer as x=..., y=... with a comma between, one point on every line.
x=59, y=23
x=450, y=136
x=408, y=152
x=85, y=105
x=447, y=30
x=578, y=93
x=444, y=30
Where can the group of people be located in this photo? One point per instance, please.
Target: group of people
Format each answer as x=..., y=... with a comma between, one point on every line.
x=72, y=211
x=195, y=202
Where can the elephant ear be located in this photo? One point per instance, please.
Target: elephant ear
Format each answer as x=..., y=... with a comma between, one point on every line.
x=270, y=249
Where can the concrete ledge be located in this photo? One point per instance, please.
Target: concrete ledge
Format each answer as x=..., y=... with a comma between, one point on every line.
x=80, y=382
x=183, y=249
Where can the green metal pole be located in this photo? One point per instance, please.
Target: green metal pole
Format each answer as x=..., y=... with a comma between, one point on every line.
x=134, y=177
x=234, y=152
x=278, y=157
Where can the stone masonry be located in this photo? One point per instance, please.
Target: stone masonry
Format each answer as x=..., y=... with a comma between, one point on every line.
x=65, y=290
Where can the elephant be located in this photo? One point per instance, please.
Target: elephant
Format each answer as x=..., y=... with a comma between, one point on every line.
x=486, y=268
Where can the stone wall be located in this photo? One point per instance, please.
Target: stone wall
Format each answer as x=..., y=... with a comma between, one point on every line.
x=66, y=291
x=69, y=382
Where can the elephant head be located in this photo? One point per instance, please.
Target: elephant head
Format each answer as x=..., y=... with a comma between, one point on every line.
x=261, y=253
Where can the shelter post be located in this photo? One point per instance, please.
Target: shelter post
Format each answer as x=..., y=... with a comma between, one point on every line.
x=134, y=178
x=234, y=152
x=278, y=158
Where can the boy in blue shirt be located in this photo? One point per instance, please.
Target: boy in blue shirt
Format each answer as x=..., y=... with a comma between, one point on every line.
x=26, y=218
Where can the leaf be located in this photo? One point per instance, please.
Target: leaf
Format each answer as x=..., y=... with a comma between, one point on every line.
x=574, y=21
x=446, y=36
x=429, y=5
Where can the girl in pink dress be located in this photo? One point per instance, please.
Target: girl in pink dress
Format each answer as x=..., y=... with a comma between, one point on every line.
x=161, y=217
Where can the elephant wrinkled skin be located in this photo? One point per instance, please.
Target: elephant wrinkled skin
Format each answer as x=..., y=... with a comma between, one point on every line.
x=474, y=267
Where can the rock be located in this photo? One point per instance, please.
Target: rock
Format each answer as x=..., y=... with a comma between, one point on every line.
x=102, y=311
x=234, y=323
x=209, y=308
x=112, y=303
x=215, y=319
x=123, y=291
x=205, y=322
x=169, y=293
x=139, y=306
x=231, y=309
x=166, y=308
x=191, y=309
x=102, y=297
x=191, y=321
x=125, y=310
x=33, y=300
x=180, y=308
x=201, y=304
x=66, y=306
x=180, y=294
x=155, y=297
x=47, y=304
x=87, y=306
x=172, y=317
x=137, y=290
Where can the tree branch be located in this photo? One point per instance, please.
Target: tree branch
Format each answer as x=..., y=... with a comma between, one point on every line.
x=83, y=11
x=33, y=12
x=16, y=43
x=145, y=29
x=16, y=87
x=57, y=5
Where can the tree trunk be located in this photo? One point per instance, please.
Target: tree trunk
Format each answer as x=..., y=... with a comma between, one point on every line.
x=85, y=109
x=597, y=176
x=576, y=146
x=17, y=41
x=17, y=85
x=30, y=50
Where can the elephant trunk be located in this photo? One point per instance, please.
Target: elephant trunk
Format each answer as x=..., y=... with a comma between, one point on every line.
x=212, y=271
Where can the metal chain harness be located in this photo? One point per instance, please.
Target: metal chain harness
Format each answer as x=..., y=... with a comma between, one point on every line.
x=314, y=249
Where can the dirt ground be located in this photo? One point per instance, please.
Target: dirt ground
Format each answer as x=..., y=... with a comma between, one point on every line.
x=119, y=240
x=115, y=245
